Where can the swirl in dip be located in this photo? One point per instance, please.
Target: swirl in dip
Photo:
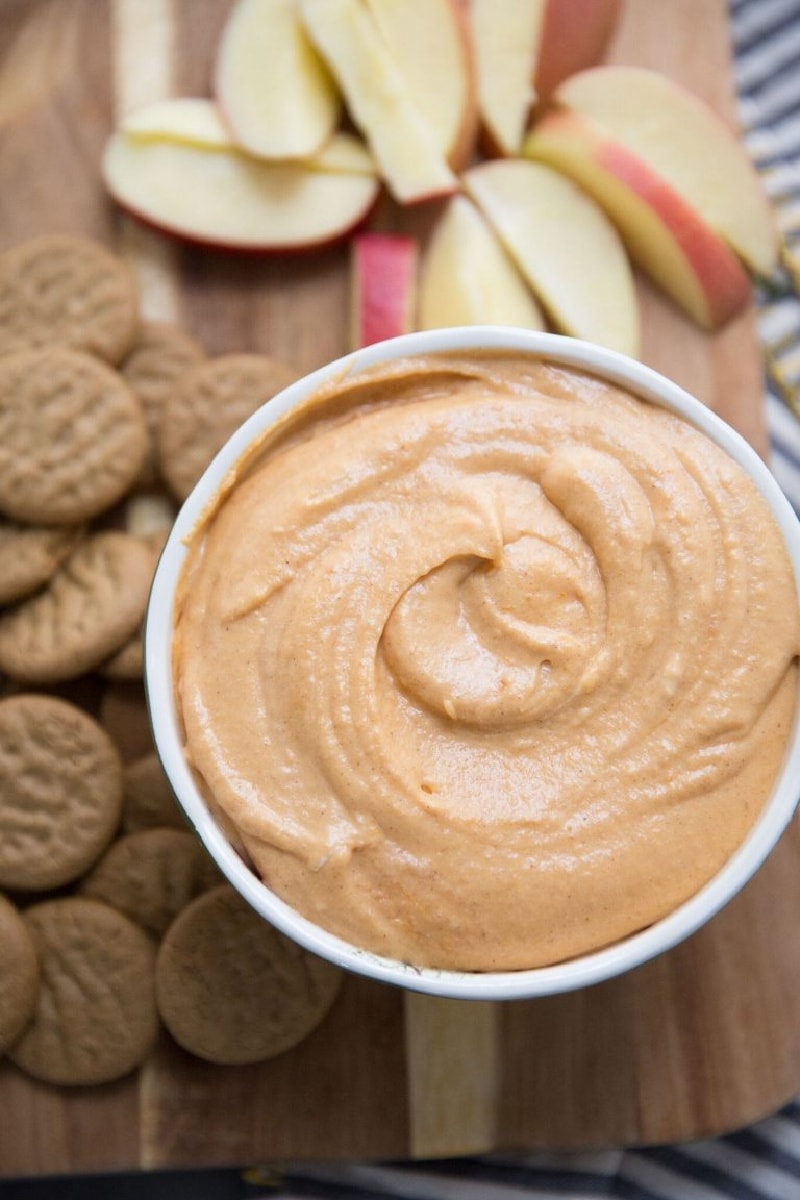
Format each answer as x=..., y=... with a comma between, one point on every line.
x=484, y=663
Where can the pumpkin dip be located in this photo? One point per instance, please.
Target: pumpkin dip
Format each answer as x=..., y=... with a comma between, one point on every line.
x=485, y=663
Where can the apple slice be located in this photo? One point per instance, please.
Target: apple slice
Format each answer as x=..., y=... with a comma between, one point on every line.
x=273, y=89
x=664, y=235
x=198, y=123
x=220, y=197
x=468, y=279
x=574, y=35
x=343, y=154
x=182, y=119
x=430, y=40
x=506, y=37
x=384, y=282
x=565, y=246
x=378, y=99
x=675, y=136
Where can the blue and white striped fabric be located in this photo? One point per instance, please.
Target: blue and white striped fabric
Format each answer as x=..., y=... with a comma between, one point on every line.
x=766, y=37
x=763, y=1162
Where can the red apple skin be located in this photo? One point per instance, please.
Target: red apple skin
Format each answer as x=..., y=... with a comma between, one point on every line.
x=724, y=282
x=727, y=283
x=460, y=154
x=575, y=35
x=257, y=249
x=150, y=184
x=383, y=274
x=659, y=112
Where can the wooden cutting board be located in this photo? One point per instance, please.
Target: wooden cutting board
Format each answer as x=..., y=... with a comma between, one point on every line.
x=704, y=1039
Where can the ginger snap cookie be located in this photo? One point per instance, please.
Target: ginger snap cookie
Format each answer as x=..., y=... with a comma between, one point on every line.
x=161, y=355
x=151, y=876
x=92, y=605
x=96, y=1018
x=72, y=436
x=19, y=975
x=124, y=716
x=65, y=290
x=30, y=555
x=128, y=662
x=207, y=406
x=148, y=801
x=60, y=792
x=231, y=989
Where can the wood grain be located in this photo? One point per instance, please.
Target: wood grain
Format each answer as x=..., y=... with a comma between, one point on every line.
x=142, y=52
x=453, y=1064
x=703, y=1039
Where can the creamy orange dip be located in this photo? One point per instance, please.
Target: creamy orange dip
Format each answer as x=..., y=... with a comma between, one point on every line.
x=484, y=663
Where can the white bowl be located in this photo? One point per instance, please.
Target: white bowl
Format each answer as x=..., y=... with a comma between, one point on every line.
x=562, y=977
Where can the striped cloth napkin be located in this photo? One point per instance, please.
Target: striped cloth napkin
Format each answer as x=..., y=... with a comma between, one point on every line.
x=763, y=1162
x=766, y=35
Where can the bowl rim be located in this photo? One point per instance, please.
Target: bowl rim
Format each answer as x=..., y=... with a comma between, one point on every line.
x=587, y=969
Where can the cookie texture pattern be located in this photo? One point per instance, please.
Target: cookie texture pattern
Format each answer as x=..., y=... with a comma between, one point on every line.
x=160, y=357
x=96, y=1018
x=92, y=605
x=19, y=977
x=232, y=989
x=207, y=406
x=64, y=290
x=30, y=555
x=60, y=792
x=151, y=876
x=72, y=437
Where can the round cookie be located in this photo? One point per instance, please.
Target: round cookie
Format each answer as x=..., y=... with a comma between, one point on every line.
x=148, y=801
x=19, y=975
x=124, y=716
x=72, y=437
x=161, y=355
x=128, y=662
x=231, y=989
x=96, y=1017
x=60, y=792
x=64, y=290
x=207, y=406
x=151, y=876
x=29, y=556
x=92, y=605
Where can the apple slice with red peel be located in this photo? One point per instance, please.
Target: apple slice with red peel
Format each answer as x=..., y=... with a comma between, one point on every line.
x=193, y=120
x=506, y=37
x=574, y=35
x=564, y=245
x=378, y=99
x=430, y=40
x=272, y=87
x=664, y=235
x=673, y=135
x=198, y=123
x=467, y=278
x=222, y=198
x=384, y=287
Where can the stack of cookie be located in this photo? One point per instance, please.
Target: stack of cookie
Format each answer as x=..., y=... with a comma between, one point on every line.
x=112, y=918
